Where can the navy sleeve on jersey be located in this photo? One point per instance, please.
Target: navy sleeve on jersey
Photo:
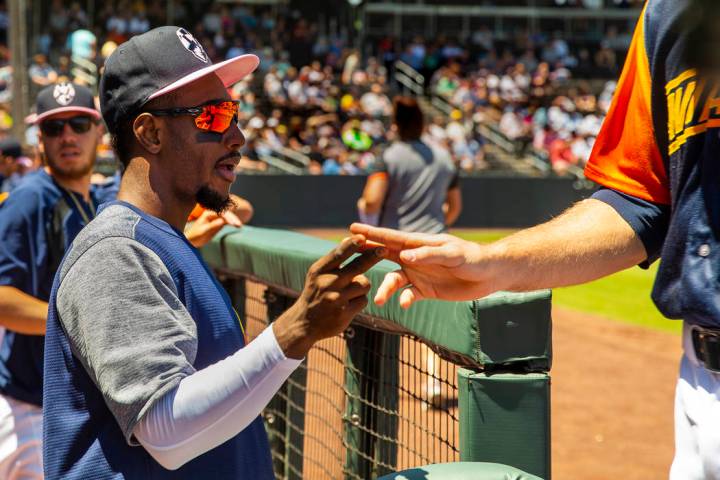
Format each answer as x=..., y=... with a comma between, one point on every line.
x=649, y=220
x=17, y=231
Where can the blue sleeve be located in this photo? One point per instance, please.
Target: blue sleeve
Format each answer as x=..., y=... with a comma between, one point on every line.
x=107, y=191
x=19, y=225
x=649, y=220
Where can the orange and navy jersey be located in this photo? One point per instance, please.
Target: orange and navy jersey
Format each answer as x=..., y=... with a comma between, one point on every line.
x=659, y=148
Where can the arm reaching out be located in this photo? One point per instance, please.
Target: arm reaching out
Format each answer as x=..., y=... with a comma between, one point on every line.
x=588, y=241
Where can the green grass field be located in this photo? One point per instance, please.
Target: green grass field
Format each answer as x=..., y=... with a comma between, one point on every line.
x=624, y=296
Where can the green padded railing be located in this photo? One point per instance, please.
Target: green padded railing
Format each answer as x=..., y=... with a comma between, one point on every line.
x=503, y=340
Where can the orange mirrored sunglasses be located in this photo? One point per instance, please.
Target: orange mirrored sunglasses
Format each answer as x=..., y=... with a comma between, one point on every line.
x=212, y=117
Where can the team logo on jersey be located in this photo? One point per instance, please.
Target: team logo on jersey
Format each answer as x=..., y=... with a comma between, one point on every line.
x=192, y=45
x=693, y=108
x=64, y=93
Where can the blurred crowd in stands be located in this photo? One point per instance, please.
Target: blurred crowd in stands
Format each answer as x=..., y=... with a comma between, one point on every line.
x=539, y=109
x=318, y=97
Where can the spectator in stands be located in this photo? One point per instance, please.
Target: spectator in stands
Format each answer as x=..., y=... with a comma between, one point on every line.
x=561, y=155
x=139, y=22
x=13, y=164
x=375, y=103
x=41, y=73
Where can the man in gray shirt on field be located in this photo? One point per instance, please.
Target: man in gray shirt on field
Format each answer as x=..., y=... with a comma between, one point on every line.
x=414, y=187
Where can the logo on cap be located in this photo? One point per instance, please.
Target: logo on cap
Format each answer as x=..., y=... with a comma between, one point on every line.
x=192, y=45
x=64, y=93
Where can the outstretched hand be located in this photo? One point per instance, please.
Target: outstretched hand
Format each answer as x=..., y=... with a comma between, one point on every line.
x=433, y=266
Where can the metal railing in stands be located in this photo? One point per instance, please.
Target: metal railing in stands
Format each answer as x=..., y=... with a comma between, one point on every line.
x=282, y=165
x=441, y=104
x=297, y=157
x=85, y=70
x=285, y=159
x=409, y=78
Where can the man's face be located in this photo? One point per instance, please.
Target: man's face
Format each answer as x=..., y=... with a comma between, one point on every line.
x=200, y=164
x=69, y=154
x=7, y=165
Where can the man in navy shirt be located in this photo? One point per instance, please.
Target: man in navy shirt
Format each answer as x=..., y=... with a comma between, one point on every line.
x=38, y=221
x=146, y=365
x=656, y=159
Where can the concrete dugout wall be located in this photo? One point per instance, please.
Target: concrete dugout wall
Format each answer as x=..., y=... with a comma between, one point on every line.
x=329, y=201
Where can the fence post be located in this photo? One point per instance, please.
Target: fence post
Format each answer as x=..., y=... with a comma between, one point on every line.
x=505, y=418
x=287, y=424
x=371, y=380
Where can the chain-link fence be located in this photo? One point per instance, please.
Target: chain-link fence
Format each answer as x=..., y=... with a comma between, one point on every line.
x=361, y=405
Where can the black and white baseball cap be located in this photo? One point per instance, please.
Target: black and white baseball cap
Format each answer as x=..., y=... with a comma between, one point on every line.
x=64, y=97
x=156, y=63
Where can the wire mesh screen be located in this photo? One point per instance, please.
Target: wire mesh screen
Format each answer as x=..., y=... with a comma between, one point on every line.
x=361, y=405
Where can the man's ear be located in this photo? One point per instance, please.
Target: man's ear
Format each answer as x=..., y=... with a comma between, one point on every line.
x=146, y=128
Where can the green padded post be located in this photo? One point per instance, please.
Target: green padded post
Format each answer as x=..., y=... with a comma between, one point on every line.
x=505, y=418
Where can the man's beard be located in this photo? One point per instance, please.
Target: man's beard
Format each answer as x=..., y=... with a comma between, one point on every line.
x=72, y=173
x=69, y=173
x=212, y=199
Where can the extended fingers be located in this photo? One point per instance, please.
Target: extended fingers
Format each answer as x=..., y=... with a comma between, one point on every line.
x=363, y=263
x=358, y=287
x=211, y=226
x=231, y=218
x=394, y=239
x=392, y=282
x=339, y=254
x=410, y=296
x=445, y=255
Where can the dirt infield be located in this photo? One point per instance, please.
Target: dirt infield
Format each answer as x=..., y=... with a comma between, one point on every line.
x=612, y=398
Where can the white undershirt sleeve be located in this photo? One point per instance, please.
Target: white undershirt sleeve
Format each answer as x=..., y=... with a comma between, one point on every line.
x=214, y=404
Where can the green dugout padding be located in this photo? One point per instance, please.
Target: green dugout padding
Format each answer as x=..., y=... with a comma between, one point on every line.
x=501, y=330
x=461, y=471
x=505, y=418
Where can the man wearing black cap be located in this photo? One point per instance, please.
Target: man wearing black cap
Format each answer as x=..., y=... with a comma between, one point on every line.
x=13, y=165
x=38, y=221
x=146, y=365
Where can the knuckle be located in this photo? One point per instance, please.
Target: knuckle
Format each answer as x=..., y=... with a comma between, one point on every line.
x=331, y=297
x=313, y=271
x=325, y=282
x=338, y=252
x=362, y=281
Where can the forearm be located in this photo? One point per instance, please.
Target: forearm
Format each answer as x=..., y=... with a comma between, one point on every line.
x=451, y=215
x=590, y=240
x=214, y=404
x=371, y=207
x=22, y=313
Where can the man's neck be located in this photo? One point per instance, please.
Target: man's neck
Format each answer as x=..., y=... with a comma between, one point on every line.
x=79, y=185
x=136, y=188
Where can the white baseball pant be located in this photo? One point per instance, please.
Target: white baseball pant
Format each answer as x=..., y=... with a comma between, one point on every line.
x=697, y=419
